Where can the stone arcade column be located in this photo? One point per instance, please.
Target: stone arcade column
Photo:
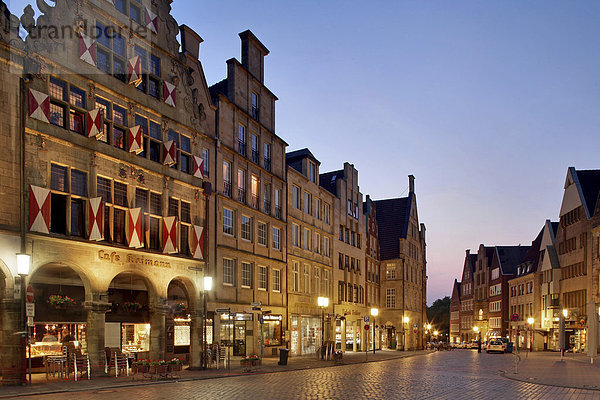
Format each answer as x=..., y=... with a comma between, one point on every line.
x=12, y=351
x=196, y=338
x=95, y=327
x=158, y=312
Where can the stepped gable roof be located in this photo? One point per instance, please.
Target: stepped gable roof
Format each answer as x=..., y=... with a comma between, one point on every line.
x=510, y=257
x=392, y=221
x=328, y=180
x=589, y=181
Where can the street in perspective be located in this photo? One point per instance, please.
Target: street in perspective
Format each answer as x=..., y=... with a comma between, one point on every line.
x=161, y=236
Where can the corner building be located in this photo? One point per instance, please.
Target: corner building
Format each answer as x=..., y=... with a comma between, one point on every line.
x=106, y=183
x=250, y=229
x=403, y=258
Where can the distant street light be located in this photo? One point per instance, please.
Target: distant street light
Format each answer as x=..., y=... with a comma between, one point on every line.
x=565, y=312
x=374, y=313
x=530, y=321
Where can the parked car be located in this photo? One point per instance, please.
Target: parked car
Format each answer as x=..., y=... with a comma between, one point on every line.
x=474, y=344
x=508, y=345
x=495, y=346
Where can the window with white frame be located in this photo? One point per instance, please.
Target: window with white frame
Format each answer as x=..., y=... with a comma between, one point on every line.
x=325, y=289
x=246, y=227
x=262, y=277
x=317, y=208
x=68, y=198
x=307, y=203
x=495, y=306
x=317, y=243
x=228, y=271
x=390, y=271
x=296, y=197
x=495, y=273
x=246, y=275
x=296, y=276
x=296, y=235
x=205, y=159
x=277, y=280
x=306, y=278
x=228, y=221
x=262, y=233
x=390, y=298
x=307, y=239
x=276, y=238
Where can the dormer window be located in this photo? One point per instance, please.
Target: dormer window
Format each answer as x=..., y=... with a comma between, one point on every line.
x=312, y=172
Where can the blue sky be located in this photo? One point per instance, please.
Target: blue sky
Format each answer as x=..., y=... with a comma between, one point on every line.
x=486, y=103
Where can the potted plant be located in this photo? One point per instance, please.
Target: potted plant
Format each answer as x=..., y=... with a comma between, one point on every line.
x=251, y=360
x=175, y=364
x=180, y=309
x=141, y=366
x=158, y=367
x=60, y=301
x=132, y=306
x=338, y=356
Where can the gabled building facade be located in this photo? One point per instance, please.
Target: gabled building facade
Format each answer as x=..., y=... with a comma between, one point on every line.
x=309, y=261
x=455, y=314
x=404, y=270
x=250, y=231
x=549, y=271
x=373, y=300
x=466, y=297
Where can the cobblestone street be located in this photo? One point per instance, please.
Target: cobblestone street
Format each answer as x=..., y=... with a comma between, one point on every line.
x=441, y=375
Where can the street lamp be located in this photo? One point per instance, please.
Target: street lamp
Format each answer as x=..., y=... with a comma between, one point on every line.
x=207, y=288
x=374, y=313
x=23, y=264
x=530, y=321
x=323, y=302
x=565, y=312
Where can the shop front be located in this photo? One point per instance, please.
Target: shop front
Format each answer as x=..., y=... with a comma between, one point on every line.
x=305, y=334
x=272, y=334
x=237, y=331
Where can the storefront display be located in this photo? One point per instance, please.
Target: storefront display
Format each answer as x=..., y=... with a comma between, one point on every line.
x=234, y=329
x=135, y=338
x=272, y=330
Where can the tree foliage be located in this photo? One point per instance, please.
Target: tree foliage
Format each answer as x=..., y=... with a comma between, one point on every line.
x=438, y=315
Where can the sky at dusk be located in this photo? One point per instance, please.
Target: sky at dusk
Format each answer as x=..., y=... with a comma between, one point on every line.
x=486, y=103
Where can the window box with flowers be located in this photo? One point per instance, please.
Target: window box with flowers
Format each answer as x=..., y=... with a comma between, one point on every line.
x=175, y=364
x=180, y=310
x=132, y=306
x=158, y=367
x=140, y=366
x=60, y=301
x=250, y=361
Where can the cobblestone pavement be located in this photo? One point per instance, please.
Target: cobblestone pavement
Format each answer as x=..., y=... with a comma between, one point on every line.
x=452, y=375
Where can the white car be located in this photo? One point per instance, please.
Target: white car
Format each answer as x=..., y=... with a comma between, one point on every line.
x=495, y=345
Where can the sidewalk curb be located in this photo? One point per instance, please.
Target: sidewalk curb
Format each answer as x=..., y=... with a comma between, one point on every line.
x=506, y=375
x=231, y=375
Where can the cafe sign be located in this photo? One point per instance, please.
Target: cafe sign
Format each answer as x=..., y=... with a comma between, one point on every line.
x=114, y=257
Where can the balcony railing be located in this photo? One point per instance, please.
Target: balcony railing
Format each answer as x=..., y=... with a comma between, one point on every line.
x=278, y=212
x=267, y=206
x=242, y=195
x=255, y=156
x=227, y=188
x=254, y=201
x=268, y=164
x=242, y=147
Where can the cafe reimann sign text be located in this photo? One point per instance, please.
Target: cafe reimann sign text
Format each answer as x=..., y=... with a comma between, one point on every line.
x=116, y=258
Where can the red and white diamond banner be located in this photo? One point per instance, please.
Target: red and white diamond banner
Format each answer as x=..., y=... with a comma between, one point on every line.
x=134, y=227
x=39, y=209
x=197, y=241
x=151, y=20
x=134, y=70
x=87, y=49
x=169, y=234
x=39, y=105
x=198, y=167
x=96, y=219
x=169, y=93
x=136, y=140
x=95, y=124
x=169, y=153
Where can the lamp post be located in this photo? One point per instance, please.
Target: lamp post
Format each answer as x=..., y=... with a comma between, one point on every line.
x=23, y=264
x=530, y=321
x=405, y=320
x=207, y=288
x=476, y=330
x=374, y=313
x=323, y=302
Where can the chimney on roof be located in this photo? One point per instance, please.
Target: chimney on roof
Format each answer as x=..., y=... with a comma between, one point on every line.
x=468, y=251
x=253, y=55
x=411, y=183
x=190, y=41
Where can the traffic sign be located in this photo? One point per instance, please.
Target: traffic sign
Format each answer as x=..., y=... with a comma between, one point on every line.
x=515, y=317
x=29, y=294
x=256, y=304
x=366, y=318
x=367, y=327
x=30, y=309
x=29, y=321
